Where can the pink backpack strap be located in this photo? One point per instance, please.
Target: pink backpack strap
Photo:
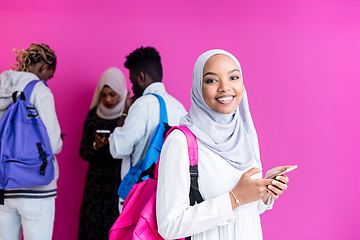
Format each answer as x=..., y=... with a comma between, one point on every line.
x=191, y=142
x=194, y=193
x=192, y=147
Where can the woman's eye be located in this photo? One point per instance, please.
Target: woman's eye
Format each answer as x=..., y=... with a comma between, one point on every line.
x=234, y=78
x=112, y=94
x=210, y=80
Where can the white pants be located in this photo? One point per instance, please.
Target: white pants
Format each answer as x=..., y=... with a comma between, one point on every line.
x=34, y=216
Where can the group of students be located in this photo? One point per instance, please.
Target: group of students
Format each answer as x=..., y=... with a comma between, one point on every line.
x=230, y=173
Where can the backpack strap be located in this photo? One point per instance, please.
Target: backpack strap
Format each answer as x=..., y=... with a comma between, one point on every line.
x=27, y=91
x=43, y=158
x=193, y=150
x=29, y=88
x=163, y=111
x=194, y=193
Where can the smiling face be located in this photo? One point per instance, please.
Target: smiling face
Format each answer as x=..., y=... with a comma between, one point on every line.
x=109, y=97
x=222, y=85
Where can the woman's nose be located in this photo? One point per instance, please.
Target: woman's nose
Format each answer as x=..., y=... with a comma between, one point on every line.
x=224, y=86
x=108, y=99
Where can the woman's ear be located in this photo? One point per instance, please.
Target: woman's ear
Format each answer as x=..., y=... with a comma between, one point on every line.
x=44, y=67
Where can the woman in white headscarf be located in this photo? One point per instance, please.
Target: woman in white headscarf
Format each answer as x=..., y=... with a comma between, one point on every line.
x=230, y=178
x=99, y=208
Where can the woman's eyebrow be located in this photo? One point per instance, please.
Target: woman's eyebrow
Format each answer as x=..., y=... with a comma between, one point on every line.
x=209, y=73
x=234, y=70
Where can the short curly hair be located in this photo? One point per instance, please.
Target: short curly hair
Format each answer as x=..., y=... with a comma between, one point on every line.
x=146, y=60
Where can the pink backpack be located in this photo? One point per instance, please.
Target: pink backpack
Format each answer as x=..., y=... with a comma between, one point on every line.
x=138, y=218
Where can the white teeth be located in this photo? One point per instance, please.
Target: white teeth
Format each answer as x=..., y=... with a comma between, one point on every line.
x=225, y=99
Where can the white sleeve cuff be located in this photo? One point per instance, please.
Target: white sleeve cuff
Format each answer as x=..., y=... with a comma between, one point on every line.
x=262, y=207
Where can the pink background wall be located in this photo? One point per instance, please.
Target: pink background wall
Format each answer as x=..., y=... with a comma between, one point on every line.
x=300, y=62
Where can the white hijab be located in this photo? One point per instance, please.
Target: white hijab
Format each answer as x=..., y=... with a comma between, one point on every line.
x=115, y=79
x=233, y=135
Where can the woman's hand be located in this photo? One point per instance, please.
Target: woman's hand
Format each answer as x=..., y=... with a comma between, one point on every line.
x=278, y=184
x=100, y=142
x=249, y=190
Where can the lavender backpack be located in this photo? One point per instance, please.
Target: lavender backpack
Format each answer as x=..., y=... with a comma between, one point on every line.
x=25, y=150
x=138, y=217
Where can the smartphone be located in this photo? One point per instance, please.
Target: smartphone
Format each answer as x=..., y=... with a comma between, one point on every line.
x=103, y=133
x=282, y=172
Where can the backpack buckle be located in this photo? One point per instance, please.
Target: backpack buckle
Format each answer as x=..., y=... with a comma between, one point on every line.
x=194, y=173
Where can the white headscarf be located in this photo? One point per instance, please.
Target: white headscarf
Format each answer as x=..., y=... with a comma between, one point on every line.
x=115, y=79
x=233, y=135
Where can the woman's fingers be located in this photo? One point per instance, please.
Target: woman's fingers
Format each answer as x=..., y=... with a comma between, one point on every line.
x=273, y=195
x=105, y=141
x=274, y=191
x=277, y=187
x=100, y=142
x=282, y=178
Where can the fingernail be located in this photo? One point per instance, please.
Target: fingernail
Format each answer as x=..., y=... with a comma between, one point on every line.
x=273, y=182
x=278, y=177
x=270, y=187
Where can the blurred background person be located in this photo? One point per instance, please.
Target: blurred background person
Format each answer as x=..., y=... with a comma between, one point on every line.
x=99, y=208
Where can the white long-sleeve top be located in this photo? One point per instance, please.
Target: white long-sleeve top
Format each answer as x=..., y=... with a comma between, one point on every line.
x=43, y=101
x=133, y=138
x=214, y=218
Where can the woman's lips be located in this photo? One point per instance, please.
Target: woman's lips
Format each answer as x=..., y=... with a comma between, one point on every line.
x=225, y=99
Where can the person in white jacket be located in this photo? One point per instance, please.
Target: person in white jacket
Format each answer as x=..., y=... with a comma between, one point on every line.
x=136, y=126
x=31, y=210
x=229, y=166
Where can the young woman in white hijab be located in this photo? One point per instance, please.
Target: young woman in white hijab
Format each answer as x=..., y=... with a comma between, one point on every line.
x=99, y=209
x=230, y=179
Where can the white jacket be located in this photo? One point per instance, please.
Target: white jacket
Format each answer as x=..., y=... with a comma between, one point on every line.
x=133, y=138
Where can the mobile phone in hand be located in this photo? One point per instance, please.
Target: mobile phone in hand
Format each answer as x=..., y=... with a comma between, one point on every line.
x=282, y=172
x=103, y=133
